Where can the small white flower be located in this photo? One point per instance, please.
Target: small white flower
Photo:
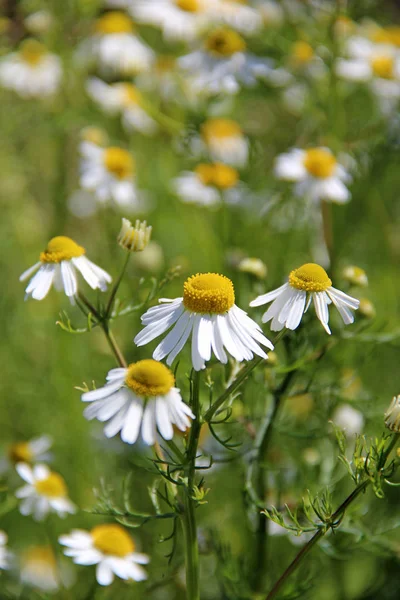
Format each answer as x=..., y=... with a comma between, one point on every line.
x=240, y=16
x=317, y=174
x=348, y=418
x=253, y=266
x=179, y=20
x=225, y=142
x=124, y=99
x=392, y=415
x=39, y=569
x=207, y=312
x=58, y=265
x=207, y=185
x=223, y=66
x=109, y=174
x=142, y=398
x=45, y=492
x=291, y=300
x=35, y=450
x=5, y=554
x=116, y=47
x=110, y=548
x=32, y=71
x=355, y=275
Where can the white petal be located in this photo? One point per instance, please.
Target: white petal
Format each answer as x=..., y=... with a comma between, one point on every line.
x=104, y=574
x=69, y=278
x=102, y=392
x=30, y=271
x=227, y=339
x=173, y=337
x=25, y=472
x=157, y=328
x=185, y=336
x=296, y=311
x=149, y=424
x=216, y=342
x=205, y=336
x=133, y=420
x=197, y=360
x=163, y=419
x=344, y=298
x=321, y=308
x=265, y=298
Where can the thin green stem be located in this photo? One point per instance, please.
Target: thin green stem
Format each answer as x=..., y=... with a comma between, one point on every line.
x=337, y=515
x=114, y=291
x=189, y=516
x=243, y=374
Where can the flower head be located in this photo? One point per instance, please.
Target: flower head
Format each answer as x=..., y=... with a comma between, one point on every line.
x=225, y=141
x=39, y=568
x=207, y=185
x=46, y=491
x=290, y=301
x=392, y=415
x=253, y=266
x=35, y=450
x=58, y=265
x=140, y=397
x=134, y=239
x=111, y=548
x=207, y=312
x=355, y=275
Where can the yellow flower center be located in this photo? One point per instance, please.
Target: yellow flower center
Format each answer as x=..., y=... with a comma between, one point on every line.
x=131, y=94
x=319, y=162
x=95, y=135
x=386, y=35
x=32, y=52
x=383, y=66
x=310, y=278
x=53, y=486
x=219, y=128
x=302, y=52
x=208, y=293
x=119, y=162
x=112, y=539
x=20, y=452
x=188, y=5
x=61, y=248
x=225, y=42
x=149, y=378
x=114, y=22
x=221, y=176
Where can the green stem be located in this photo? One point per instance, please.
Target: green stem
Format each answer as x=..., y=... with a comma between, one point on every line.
x=243, y=374
x=337, y=515
x=189, y=516
x=114, y=291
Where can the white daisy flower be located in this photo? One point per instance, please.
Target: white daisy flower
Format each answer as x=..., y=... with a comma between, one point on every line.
x=110, y=548
x=208, y=311
x=32, y=71
x=5, y=554
x=348, y=418
x=378, y=65
x=116, y=47
x=392, y=415
x=109, y=174
x=35, y=450
x=291, y=300
x=207, y=185
x=39, y=569
x=238, y=15
x=225, y=141
x=223, y=65
x=179, y=20
x=45, y=492
x=124, y=99
x=317, y=173
x=140, y=398
x=355, y=275
x=58, y=265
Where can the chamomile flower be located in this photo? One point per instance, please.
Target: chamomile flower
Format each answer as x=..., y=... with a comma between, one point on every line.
x=378, y=65
x=355, y=275
x=225, y=142
x=32, y=71
x=142, y=397
x=207, y=185
x=291, y=300
x=317, y=173
x=39, y=569
x=223, y=65
x=207, y=312
x=124, y=99
x=238, y=14
x=45, y=492
x=109, y=174
x=116, y=47
x=58, y=265
x=109, y=547
x=5, y=554
x=179, y=20
x=134, y=238
x=392, y=415
x=35, y=450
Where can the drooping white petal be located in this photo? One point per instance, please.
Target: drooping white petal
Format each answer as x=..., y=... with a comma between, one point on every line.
x=265, y=298
x=149, y=430
x=173, y=337
x=103, y=392
x=104, y=573
x=69, y=278
x=197, y=360
x=163, y=419
x=321, y=308
x=133, y=420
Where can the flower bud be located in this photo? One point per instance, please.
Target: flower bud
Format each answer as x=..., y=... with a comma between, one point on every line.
x=392, y=415
x=253, y=266
x=355, y=276
x=134, y=238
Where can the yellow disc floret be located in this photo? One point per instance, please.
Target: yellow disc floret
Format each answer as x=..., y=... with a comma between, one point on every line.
x=225, y=42
x=302, y=52
x=219, y=128
x=319, y=162
x=188, y=5
x=40, y=558
x=61, y=248
x=310, y=278
x=113, y=22
x=119, y=162
x=149, y=378
x=112, y=539
x=20, y=452
x=221, y=176
x=383, y=66
x=130, y=93
x=208, y=293
x=53, y=486
x=32, y=52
